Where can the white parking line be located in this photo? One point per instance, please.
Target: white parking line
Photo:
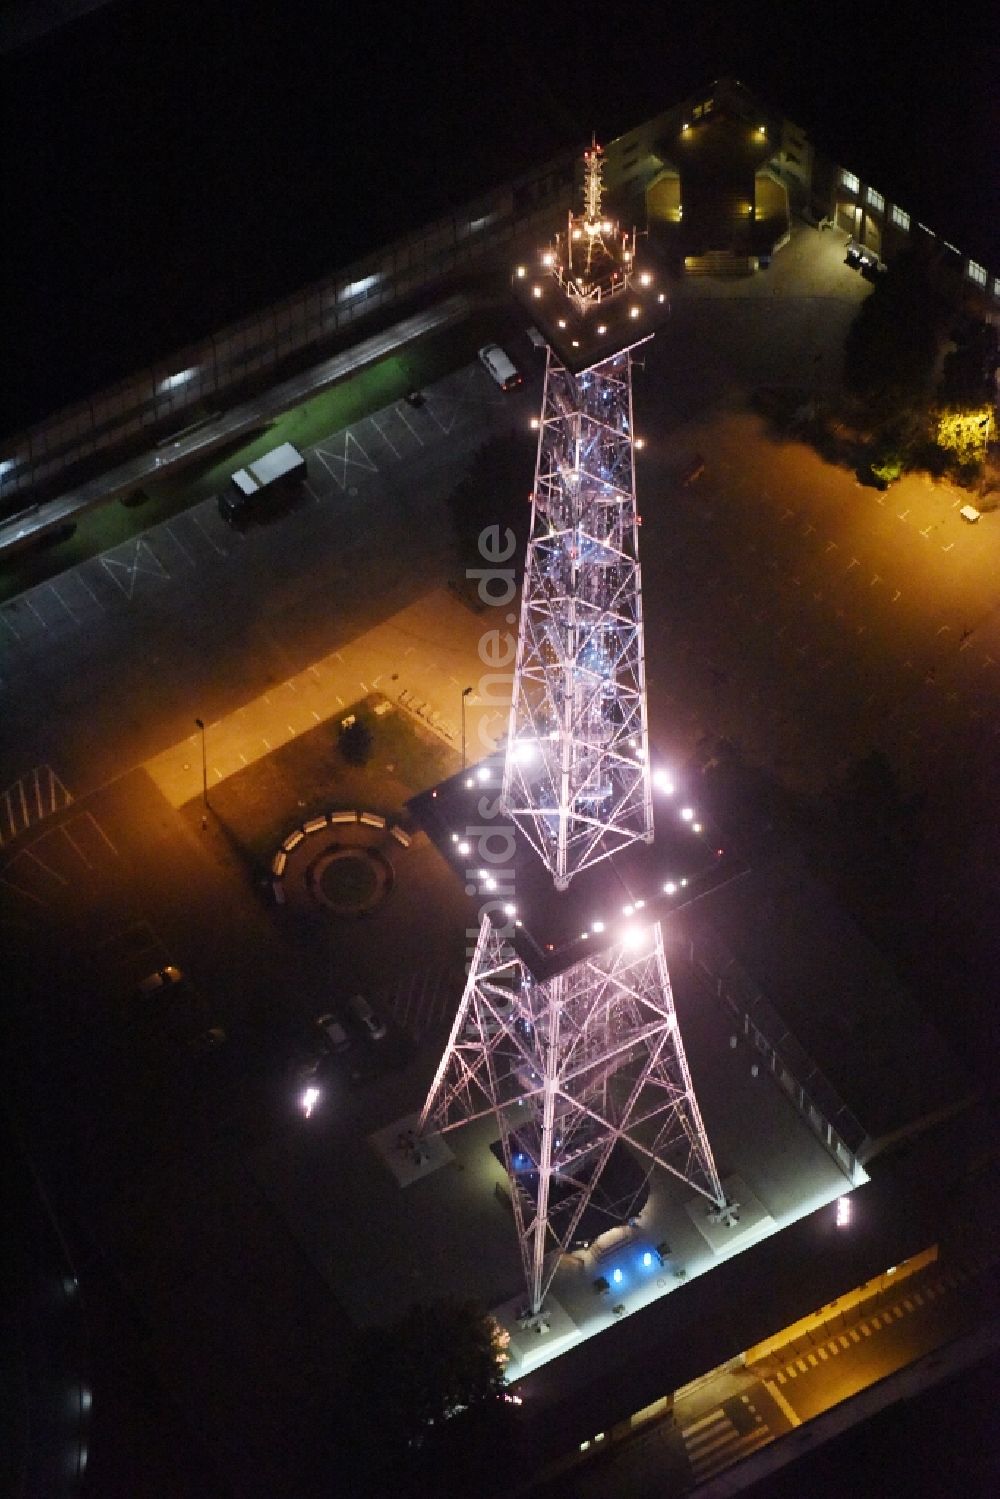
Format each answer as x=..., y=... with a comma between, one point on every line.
x=177, y=541
x=407, y=423
x=75, y=846
x=18, y=891
x=28, y=854
x=220, y=550
x=62, y=601
x=84, y=584
x=385, y=438
x=98, y=829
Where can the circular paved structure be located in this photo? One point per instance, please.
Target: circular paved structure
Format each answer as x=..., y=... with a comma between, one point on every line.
x=340, y=862
x=349, y=881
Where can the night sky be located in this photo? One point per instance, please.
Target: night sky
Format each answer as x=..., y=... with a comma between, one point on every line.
x=169, y=167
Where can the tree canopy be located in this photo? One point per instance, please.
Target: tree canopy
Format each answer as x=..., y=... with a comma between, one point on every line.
x=355, y=741
x=435, y=1362
x=892, y=346
x=495, y=492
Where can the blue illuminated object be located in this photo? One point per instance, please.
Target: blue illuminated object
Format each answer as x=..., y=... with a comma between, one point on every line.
x=647, y=1259
x=617, y=1277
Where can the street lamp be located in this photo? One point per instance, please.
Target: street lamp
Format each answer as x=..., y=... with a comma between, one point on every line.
x=466, y=691
x=204, y=766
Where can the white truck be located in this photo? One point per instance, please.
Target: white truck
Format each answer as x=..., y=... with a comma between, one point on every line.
x=249, y=488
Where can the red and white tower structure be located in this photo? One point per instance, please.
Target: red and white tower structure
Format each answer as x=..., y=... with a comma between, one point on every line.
x=580, y=1059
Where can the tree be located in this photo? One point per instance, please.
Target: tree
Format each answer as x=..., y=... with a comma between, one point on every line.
x=436, y=1362
x=495, y=492
x=892, y=346
x=969, y=368
x=355, y=742
x=962, y=435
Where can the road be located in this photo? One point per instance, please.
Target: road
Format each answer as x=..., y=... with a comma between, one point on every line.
x=739, y=1410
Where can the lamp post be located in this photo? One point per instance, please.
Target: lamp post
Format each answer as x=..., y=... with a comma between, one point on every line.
x=204, y=769
x=466, y=691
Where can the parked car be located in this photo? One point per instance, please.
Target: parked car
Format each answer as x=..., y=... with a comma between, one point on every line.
x=333, y=1033
x=363, y=1012
x=500, y=366
x=163, y=978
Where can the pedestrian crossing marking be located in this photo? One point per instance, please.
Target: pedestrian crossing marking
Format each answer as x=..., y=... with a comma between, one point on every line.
x=908, y=1303
x=803, y=1368
x=855, y=1335
x=708, y=1420
x=844, y=1342
x=723, y=1457
x=822, y=1353
x=714, y=1442
x=813, y=1360
x=790, y=1413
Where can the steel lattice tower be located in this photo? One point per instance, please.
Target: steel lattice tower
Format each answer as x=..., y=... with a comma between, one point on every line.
x=589, y=1058
x=571, y=1066
x=576, y=774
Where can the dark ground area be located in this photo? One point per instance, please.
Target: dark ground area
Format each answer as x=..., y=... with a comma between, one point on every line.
x=166, y=175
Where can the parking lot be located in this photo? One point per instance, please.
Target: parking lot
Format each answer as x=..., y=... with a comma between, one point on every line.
x=786, y=610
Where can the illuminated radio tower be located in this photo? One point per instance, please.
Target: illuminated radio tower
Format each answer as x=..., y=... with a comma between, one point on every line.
x=576, y=776
x=572, y=1066
x=589, y=1058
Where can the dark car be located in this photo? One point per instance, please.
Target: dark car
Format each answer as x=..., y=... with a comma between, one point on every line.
x=333, y=1033
x=692, y=470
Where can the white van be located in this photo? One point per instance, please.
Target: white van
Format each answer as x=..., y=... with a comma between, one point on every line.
x=275, y=473
x=500, y=367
